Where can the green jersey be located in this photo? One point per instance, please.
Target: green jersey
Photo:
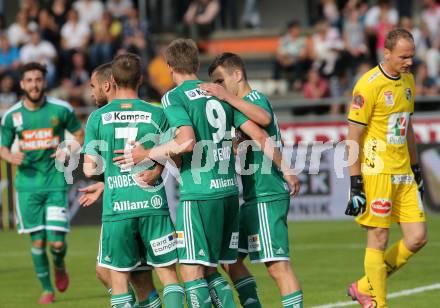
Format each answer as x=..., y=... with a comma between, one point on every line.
x=39, y=133
x=110, y=128
x=265, y=184
x=209, y=171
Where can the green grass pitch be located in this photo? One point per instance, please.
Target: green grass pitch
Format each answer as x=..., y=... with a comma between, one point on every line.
x=326, y=255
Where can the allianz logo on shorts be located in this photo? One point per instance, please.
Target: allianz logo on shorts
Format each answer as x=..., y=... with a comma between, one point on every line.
x=122, y=206
x=126, y=117
x=164, y=245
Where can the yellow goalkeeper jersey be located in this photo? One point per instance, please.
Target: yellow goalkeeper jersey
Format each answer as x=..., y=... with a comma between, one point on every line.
x=383, y=104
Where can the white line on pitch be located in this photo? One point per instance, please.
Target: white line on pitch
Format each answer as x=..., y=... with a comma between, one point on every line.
x=407, y=292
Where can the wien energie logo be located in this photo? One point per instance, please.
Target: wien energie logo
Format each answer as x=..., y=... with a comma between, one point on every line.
x=38, y=139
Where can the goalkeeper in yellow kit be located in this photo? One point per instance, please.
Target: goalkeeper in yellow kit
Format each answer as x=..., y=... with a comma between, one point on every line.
x=386, y=181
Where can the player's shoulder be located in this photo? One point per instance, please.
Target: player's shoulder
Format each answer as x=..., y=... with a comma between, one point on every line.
x=59, y=103
x=256, y=96
x=10, y=111
x=165, y=101
x=371, y=78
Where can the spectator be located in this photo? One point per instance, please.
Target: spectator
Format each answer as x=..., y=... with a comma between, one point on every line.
x=228, y=14
x=326, y=48
x=48, y=28
x=384, y=12
x=422, y=38
x=158, y=74
x=9, y=56
x=330, y=12
x=32, y=8
x=2, y=23
x=74, y=34
x=106, y=31
x=382, y=28
x=89, y=11
x=76, y=85
x=425, y=85
x=199, y=18
x=59, y=10
x=316, y=86
x=431, y=16
x=354, y=39
x=291, y=56
x=19, y=31
x=119, y=8
x=8, y=95
x=136, y=38
x=251, y=14
x=43, y=52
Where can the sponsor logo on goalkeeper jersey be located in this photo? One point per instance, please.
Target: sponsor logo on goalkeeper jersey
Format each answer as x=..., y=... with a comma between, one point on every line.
x=381, y=207
x=254, y=243
x=38, y=139
x=122, y=206
x=408, y=94
x=222, y=183
x=389, y=99
x=164, y=245
x=126, y=117
x=196, y=94
x=397, y=128
x=358, y=102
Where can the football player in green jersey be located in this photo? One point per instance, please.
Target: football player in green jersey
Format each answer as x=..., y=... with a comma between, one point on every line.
x=135, y=220
x=263, y=216
x=103, y=91
x=40, y=122
x=208, y=191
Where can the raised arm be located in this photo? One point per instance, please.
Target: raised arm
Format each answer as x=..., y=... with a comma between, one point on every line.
x=253, y=112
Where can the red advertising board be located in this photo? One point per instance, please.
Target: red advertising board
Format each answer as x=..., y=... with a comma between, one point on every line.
x=427, y=131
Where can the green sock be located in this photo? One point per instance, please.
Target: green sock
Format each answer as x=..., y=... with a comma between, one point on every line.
x=153, y=301
x=132, y=292
x=293, y=300
x=58, y=256
x=247, y=292
x=122, y=301
x=220, y=291
x=173, y=295
x=41, y=265
x=197, y=294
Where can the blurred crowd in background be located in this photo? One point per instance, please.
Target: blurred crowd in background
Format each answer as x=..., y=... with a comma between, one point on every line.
x=320, y=60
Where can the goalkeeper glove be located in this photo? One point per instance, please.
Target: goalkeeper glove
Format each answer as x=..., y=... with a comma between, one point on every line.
x=418, y=178
x=357, y=201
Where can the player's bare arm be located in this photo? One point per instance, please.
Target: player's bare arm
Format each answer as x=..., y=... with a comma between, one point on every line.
x=355, y=132
x=267, y=145
x=91, y=193
x=252, y=111
x=15, y=158
x=412, y=145
x=414, y=160
x=183, y=142
x=357, y=201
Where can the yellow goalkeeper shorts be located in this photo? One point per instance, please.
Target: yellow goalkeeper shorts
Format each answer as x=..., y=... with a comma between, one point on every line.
x=391, y=197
